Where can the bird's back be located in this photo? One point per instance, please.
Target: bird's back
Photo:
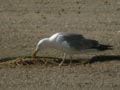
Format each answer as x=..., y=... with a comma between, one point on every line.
x=76, y=42
x=54, y=36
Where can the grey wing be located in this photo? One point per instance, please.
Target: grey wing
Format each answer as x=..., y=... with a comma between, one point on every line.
x=77, y=41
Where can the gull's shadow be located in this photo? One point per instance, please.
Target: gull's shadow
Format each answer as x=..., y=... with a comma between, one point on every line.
x=54, y=60
x=103, y=58
x=5, y=59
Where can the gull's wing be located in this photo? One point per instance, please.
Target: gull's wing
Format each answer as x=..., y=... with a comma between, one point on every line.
x=77, y=41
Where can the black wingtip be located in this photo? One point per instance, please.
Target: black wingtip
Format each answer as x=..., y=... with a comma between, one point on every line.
x=105, y=47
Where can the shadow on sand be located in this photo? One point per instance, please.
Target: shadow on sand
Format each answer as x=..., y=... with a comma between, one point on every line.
x=104, y=58
x=101, y=58
x=52, y=60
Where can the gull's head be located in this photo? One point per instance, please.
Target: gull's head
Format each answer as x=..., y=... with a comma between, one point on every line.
x=42, y=44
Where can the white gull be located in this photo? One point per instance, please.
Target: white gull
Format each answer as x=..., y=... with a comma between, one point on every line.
x=70, y=44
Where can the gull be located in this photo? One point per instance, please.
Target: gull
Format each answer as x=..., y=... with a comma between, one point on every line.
x=70, y=43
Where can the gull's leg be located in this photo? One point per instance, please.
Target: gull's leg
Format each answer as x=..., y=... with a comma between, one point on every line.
x=45, y=61
x=62, y=59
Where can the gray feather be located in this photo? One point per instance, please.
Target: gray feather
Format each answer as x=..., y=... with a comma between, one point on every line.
x=77, y=41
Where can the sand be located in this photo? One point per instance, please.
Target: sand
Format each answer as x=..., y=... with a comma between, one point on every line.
x=24, y=22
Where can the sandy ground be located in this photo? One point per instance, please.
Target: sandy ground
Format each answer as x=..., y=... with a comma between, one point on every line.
x=24, y=22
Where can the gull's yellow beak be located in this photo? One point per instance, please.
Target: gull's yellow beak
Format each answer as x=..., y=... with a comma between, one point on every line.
x=34, y=53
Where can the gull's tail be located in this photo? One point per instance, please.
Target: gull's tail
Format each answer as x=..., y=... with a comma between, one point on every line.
x=102, y=47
